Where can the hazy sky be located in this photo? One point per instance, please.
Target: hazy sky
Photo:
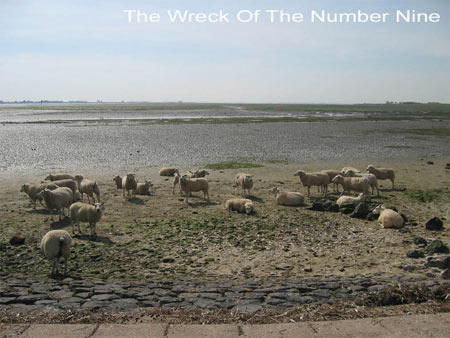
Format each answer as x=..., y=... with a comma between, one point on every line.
x=87, y=50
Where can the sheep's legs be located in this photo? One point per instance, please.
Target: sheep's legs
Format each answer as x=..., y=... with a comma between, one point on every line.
x=65, y=265
x=392, y=184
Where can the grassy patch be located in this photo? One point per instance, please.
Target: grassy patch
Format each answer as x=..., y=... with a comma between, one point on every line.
x=429, y=196
x=232, y=165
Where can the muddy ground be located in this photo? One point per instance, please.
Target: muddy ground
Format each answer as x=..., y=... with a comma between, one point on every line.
x=161, y=237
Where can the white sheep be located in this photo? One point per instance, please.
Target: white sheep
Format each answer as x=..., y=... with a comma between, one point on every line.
x=166, y=171
x=118, y=181
x=245, y=182
x=199, y=173
x=388, y=217
x=57, y=177
x=56, y=244
x=69, y=183
x=316, y=178
x=143, y=188
x=87, y=187
x=242, y=205
x=371, y=177
x=359, y=184
x=32, y=191
x=129, y=183
x=332, y=174
x=189, y=185
x=58, y=199
x=82, y=212
x=382, y=173
x=291, y=198
x=349, y=168
x=176, y=181
x=350, y=199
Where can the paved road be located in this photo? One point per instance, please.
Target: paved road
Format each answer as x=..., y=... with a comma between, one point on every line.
x=420, y=326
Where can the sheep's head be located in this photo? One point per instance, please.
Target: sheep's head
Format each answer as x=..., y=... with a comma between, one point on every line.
x=49, y=177
x=148, y=183
x=379, y=208
x=24, y=188
x=42, y=193
x=117, y=179
x=249, y=177
x=337, y=179
x=370, y=168
x=273, y=190
x=183, y=178
x=78, y=178
x=248, y=208
x=205, y=172
x=300, y=173
x=130, y=177
x=98, y=207
x=349, y=173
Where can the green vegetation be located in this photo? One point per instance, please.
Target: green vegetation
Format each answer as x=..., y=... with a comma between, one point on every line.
x=429, y=196
x=232, y=165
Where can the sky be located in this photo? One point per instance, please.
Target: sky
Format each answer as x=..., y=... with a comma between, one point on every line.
x=87, y=50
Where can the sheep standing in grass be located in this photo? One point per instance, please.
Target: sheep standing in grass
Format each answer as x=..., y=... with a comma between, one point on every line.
x=189, y=185
x=290, y=198
x=118, y=181
x=372, y=179
x=244, y=181
x=58, y=199
x=242, y=205
x=129, y=183
x=32, y=190
x=317, y=178
x=82, y=212
x=87, y=187
x=165, y=171
x=332, y=174
x=69, y=183
x=56, y=244
x=350, y=199
x=359, y=184
x=143, y=188
x=57, y=177
x=382, y=173
x=388, y=218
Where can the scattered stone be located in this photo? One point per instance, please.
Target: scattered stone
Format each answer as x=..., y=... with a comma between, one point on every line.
x=434, y=224
x=447, y=166
x=409, y=267
x=307, y=269
x=415, y=253
x=317, y=206
x=334, y=207
x=17, y=239
x=438, y=261
x=361, y=211
x=347, y=208
x=247, y=308
x=372, y=217
x=437, y=246
x=420, y=240
x=445, y=274
x=430, y=162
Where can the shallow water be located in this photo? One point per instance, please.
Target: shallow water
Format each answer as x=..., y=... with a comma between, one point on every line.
x=77, y=147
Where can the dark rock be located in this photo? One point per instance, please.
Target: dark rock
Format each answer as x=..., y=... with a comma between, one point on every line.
x=430, y=162
x=275, y=301
x=420, y=240
x=347, y=208
x=439, y=261
x=437, y=246
x=405, y=218
x=361, y=211
x=167, y=300
x=17, y=239
x=447, y=166
x=205, y=303
x=445, y=274
x=372, y=217
x=322, y=293
x=334, y=207
x=415, y=253
x=409, y=267
x=30, y=299
x=317, y=206
x=104, y=297
x=434, y=224
x=7, y=300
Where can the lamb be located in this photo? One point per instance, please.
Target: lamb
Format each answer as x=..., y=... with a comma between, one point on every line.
x=315, y=178
x=331, y=174
x=87, y=187
x=360, y=184
x=129, y=183
x=57, y=199
x=382, y=173
x=32, y=191
x=143, y=188
x=54, y=244
x=189, y=185
x=176, y=181
x=57, y=177
x=372, y=179
x=388, y=218
x=165, y=171
x=199, y=173
x=353, y=200
x=244, y=181
x=83, y=212
x=69, y=183
x=118, y=181
x=291, y=198
x=242, y=205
